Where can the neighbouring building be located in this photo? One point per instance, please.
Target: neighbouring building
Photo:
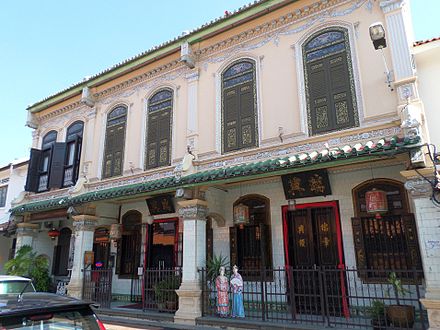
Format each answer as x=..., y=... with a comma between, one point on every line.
x=270, y=136
x=12, y=181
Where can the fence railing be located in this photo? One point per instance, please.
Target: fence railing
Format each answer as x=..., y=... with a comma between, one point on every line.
x=325, y=297
x=97, y=286
x=159, y=289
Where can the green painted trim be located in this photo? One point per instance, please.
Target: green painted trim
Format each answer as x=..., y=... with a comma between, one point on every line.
x=198, y=35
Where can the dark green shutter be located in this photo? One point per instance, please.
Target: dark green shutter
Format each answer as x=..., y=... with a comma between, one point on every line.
x=152, y=141
x=114, y=150
x=412, y=241
x=164, y=138
x=233, y=254
x=247, y=115
x=56, y=171
x=231, y=119
x=359, y=247
x=77, y=159
x=33, y=171
x=319, y=102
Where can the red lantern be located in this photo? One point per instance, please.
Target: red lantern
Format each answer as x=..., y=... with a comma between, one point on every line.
x=376, y=202
x=53, y=233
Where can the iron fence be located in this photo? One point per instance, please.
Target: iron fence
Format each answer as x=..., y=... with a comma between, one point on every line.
x=159, y=289
x=326, y=297
x=97, y=286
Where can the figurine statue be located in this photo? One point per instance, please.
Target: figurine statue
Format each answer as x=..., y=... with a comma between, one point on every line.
x=237, y=291
x=222, y=285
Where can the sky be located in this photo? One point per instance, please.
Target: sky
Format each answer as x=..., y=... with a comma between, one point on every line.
x=48, y=45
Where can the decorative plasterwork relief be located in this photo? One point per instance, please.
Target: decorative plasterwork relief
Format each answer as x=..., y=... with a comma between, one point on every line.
x=272, y=31
x=59, y=117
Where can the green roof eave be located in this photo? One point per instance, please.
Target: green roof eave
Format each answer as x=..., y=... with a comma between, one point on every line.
x=252, y=171
x=167, y=48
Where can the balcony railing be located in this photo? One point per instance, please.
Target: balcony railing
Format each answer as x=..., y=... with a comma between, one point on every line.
x=324, y=297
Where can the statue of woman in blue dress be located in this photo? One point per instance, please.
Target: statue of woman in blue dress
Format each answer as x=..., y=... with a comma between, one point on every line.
x=237, y=292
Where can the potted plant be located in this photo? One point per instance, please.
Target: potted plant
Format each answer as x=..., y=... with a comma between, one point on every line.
x=165, y=293
x=401, y=316
x=378, y=315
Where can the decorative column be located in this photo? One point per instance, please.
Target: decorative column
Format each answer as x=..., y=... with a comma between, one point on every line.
x=399, y=35
x=193, y=213
x=26, y=232
x=83, y=228
x=428, y=219
x=192, y=130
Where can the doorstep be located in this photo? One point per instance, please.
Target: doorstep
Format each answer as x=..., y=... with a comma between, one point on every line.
x=230, y=324
x=143, y=320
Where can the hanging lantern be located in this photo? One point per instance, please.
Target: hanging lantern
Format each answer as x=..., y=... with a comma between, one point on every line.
x=241, y=214
x=115, y=231
x=53, y=233
x=376, y=202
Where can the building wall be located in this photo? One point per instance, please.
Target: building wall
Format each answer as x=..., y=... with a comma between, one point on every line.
x=342, y=182
x=428, y=70
x=281, y=103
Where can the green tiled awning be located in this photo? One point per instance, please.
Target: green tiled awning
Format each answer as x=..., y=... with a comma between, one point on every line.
x=293, y=163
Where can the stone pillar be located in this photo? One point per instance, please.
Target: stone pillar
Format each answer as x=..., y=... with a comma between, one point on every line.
x=26, y=232
x=83, y=229
x=193, y=213
x=428, y=225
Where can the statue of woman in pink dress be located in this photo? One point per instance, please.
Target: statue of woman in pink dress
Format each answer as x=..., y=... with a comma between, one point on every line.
x=222, y=285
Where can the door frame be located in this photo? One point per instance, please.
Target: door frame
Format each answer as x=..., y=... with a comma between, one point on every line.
x=176, y=238
x=341, y=265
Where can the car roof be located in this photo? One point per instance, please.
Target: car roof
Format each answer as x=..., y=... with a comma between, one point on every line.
x=37, y=302
x=6, y=278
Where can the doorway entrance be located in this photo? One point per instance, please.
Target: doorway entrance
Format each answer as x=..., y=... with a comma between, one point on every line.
x=313, y=243
x=161, y=244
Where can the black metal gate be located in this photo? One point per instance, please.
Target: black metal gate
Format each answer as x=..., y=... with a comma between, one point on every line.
x=97, y=286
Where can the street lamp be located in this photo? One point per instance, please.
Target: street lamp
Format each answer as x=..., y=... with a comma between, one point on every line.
x=377, y=36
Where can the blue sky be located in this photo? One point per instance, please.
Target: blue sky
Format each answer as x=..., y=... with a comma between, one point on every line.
x=47, y=45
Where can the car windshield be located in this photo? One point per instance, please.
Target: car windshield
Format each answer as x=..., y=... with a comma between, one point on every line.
x=59, y=320
x=15, y=287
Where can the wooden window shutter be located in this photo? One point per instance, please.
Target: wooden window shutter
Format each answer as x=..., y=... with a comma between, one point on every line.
x=412, y=241
x=359, y=247
x=152, y=145
x=164, y=138
x=56, y=171
x=233, y=253
x=33, y=171
x=319, y=102
x=231, y=132
x=77, y=160
x=247, y=115
x=118, y=257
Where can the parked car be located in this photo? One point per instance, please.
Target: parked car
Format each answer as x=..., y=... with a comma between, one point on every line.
x=15, y=284
x=37, y=310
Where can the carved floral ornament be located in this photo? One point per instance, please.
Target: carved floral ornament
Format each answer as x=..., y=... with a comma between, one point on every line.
x=246, y=41
x=193, y=212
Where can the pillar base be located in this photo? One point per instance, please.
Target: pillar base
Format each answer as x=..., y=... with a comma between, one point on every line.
x=190, y=303
x=74, y=290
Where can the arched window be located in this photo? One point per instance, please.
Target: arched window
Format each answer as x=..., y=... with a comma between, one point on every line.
x=46, y=149
x=329, y=82
x=250, y=244
x=239, y=106
x=129, y=249
x=160, y=109
x=61, y=253
x=114, y=142
x=389, y=241
x=73, y=153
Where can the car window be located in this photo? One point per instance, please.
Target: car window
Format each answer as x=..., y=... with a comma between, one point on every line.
x=15, y=287
x=80, y=319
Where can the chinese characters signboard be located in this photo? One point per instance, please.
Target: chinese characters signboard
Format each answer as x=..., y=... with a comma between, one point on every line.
x=306, y=184
x=160, y=205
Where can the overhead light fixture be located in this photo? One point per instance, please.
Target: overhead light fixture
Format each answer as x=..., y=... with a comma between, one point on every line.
x=377, y=36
